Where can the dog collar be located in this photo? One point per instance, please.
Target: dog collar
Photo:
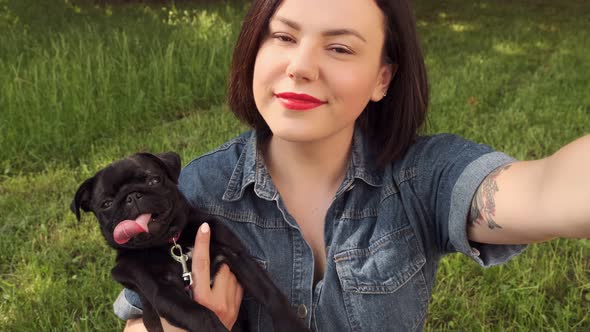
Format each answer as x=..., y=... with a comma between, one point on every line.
x=174, y=238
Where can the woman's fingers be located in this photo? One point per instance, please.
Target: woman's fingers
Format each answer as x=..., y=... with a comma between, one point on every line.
x=222, y=287
x=225, y=284
x=225, y=297
x=201, y=265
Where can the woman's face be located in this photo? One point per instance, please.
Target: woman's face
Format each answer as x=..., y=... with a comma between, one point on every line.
x=319, y=66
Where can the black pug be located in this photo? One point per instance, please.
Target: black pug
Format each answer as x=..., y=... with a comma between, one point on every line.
x=142, y=214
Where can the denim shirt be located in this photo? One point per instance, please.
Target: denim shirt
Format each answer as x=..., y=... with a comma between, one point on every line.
x=385, y=230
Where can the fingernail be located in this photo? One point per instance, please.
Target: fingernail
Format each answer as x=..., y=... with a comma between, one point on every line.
x=205, y=228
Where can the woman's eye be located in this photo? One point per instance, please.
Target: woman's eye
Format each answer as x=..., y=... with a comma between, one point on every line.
x=154, y=180
x=283, y=38
x=340, y=50
x=106, y=204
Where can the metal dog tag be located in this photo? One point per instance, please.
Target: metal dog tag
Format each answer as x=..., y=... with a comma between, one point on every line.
x=186, y=274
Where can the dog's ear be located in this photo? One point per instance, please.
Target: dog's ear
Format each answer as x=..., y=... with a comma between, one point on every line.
x=169, y=161
x=172, y=162
x=82, y=197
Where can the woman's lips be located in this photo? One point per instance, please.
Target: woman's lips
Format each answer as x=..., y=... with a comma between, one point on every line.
x=298, y=101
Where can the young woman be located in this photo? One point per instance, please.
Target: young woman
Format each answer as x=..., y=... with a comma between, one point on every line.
x=334, y=192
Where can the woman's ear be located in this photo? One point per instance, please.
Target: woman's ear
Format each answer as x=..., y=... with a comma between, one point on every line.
x=386, y=73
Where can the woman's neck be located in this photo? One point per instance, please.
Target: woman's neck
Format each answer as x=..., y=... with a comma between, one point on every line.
x=322, y=162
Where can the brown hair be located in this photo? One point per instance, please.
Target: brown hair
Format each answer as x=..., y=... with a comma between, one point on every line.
x=390, y=124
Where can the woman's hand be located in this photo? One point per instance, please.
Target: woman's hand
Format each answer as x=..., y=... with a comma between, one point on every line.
x=225, y=296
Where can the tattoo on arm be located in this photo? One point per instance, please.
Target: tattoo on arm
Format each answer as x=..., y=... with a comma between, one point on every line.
x=483, y=206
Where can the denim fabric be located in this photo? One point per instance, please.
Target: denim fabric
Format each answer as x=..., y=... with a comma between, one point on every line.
x=385, y=231
x=127, y=305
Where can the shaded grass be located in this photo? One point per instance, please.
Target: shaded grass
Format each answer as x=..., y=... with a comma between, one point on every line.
x=512, y=75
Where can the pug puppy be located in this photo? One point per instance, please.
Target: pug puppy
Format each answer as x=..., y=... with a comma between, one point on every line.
x=151, y=225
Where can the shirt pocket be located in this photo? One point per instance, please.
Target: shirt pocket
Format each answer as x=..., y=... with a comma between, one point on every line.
x=384, y=288
x=383, y=267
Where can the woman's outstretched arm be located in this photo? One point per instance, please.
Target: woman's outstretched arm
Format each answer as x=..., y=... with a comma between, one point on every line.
x=535, y=201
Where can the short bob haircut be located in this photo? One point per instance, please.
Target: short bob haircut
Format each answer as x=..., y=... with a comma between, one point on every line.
x=391, y=124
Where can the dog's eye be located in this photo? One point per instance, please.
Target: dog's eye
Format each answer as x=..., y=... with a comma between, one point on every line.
x=106, y=204
x=154, y=180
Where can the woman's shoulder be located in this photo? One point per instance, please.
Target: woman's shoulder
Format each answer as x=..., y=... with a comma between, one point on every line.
x=210, y=173
x=444, y=146
x=432, y=153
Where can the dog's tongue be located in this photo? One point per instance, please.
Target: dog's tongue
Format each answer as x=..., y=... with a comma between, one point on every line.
x=127, y=229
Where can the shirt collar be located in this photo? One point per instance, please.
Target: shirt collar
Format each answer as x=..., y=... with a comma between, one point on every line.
x=251, y=169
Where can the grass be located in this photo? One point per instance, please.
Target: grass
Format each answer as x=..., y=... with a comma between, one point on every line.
x=91, y=73
x=81, y=86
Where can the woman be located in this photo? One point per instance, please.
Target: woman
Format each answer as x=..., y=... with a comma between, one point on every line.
x=333, y=191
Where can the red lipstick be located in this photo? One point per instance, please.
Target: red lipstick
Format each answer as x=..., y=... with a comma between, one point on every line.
x=298, y=101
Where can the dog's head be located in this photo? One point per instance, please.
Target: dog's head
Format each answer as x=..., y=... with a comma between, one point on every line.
x=136, y=200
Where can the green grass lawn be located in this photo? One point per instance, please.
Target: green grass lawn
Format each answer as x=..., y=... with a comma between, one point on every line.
x=81, y=86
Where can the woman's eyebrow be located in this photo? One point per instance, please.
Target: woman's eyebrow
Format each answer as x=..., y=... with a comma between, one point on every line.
x=328, y=33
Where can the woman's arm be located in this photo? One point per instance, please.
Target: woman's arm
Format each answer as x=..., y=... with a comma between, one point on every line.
x=534, y=201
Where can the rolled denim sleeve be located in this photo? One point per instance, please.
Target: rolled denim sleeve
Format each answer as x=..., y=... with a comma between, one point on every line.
x=450, y=172
x=463, y=192
x=127, y=305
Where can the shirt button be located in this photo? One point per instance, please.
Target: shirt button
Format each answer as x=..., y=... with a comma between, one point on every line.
x=302, y=311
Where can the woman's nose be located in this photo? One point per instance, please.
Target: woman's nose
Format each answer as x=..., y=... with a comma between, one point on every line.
x=303, y=64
